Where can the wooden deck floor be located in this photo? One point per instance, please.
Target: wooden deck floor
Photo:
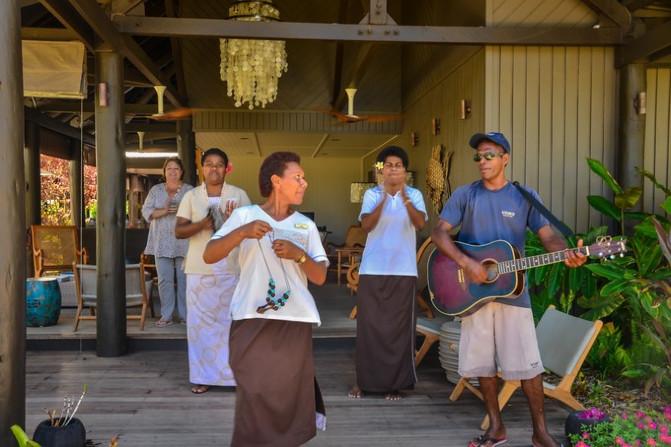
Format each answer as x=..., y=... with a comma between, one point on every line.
x=145, y=398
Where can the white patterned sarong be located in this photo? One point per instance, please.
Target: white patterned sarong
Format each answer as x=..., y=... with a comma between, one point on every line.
x=208, y=323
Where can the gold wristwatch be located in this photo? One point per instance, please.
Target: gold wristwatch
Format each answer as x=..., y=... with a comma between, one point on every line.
x=302, y=259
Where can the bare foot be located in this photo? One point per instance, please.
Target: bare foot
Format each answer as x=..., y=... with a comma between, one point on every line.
x=199, y=389
x=543, y=440
x=394, y=395
x=487, y=440
x=355, y=393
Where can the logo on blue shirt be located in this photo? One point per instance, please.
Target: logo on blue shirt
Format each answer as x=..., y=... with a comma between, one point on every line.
x=510, y=214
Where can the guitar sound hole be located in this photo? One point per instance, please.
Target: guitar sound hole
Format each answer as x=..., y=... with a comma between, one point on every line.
x=492, y=272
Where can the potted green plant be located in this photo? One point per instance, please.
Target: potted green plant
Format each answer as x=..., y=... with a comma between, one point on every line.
x=62, y=429
x=578, y=420
x=630, y=429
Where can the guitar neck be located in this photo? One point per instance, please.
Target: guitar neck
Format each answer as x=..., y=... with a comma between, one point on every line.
x=528, y=262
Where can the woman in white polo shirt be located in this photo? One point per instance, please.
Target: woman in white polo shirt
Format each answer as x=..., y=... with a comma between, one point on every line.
x=391, y=214
x=208, y=290
x=278, y=402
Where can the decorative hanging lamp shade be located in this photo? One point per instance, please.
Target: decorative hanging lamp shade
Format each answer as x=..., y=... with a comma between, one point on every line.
x=251, y=68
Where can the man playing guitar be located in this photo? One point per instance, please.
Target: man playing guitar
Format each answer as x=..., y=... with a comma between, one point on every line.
x=499, y=336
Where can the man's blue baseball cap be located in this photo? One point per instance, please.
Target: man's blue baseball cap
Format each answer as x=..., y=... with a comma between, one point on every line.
x=494, y=137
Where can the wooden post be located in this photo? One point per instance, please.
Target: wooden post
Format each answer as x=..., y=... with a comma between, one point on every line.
x=77, y=186
x=632, y=126
x=31, y=157
x=186, y=149
x=111, y=215
x=12, y=228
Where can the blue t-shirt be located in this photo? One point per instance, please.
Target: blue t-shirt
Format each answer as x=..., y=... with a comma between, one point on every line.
x=485, y=216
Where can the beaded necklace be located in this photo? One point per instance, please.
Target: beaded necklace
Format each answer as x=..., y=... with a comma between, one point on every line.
x=271, y=301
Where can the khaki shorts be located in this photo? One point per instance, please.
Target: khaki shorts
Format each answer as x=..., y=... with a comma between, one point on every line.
x=499, y=337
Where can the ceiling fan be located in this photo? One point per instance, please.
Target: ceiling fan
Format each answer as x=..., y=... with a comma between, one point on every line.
x=350, y=117
x=179, y=113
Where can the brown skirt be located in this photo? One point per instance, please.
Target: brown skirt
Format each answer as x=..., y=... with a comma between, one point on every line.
x=276, y=388
x=385, y=333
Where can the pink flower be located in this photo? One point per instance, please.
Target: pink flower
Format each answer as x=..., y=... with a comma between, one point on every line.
x=640, y=426
x=585, y=435
x=664, y=429
x=640, y=415
x=651, y=442
x=625, y=416
x=652, y=425
x=592, y=414
x=619, y=441
x=666, y=439
x=582, y=444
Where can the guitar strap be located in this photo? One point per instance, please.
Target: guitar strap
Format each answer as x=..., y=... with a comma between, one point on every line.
x=561, y=226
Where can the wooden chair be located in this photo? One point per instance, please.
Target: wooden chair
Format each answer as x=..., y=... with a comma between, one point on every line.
x=564, y=342
x=55, y=248
x=148, y=263
x=86, y=277
x=343, y=255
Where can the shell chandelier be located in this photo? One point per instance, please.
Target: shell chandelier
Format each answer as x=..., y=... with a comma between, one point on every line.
x=250, y=67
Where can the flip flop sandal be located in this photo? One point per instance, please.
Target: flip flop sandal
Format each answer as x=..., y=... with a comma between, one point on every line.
x=200, y=389
x=163, y=323
x=482, y=440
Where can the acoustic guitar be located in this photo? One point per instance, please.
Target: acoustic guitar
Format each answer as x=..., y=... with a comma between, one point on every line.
x=453, y=293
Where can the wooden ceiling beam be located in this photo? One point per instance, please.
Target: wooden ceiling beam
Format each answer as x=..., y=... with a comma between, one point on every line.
x=463, y=35
x=633, y=5
x=88, y=107
x=153, y=127
x=50, y=34
x=640, y=49
x=320, y=145
x=176, y=47
x=613, y=10
x=47, y=122
x=96, y=17
x=63, y=11
x=339, y=52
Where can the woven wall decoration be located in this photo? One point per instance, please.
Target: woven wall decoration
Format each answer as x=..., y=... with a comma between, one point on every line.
x=437, y=177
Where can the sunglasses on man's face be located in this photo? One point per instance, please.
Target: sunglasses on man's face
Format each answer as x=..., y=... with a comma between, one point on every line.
x=487, y=156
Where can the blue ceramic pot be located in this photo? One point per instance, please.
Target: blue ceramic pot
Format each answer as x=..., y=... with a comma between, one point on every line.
x=574, y=423
x=72, y=435
x=43, y=302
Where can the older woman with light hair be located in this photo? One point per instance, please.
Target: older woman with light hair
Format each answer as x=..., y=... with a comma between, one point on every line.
x=159, y=209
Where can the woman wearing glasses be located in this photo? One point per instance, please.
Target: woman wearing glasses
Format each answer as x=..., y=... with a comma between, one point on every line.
x=277, y=398
x=208, y=288
x=391, y=214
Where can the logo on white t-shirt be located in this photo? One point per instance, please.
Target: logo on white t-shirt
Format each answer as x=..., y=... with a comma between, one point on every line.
x=509, y=214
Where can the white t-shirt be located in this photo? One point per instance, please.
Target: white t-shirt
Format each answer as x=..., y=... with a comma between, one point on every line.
x=390, y=247
x=252, y=289
x=194, y=207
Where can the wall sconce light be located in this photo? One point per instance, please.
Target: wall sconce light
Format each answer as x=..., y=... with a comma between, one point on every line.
x=435, y=126
x=414, y=139
x=102, y=94
x=640, y=103
x=464, y=109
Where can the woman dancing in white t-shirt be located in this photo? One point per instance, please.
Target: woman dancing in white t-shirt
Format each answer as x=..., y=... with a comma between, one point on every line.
x=278, y=401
